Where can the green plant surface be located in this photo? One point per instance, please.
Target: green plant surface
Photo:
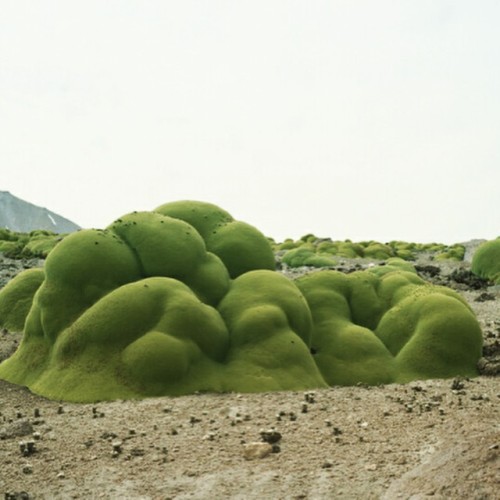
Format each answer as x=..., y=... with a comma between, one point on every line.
x=454, y=252
x=270, y=332
x=40, y=245
x=134, y=305
x=37, y=243
x=486, y=261
x=304, y=256
x=170, y=247
x=240, y=246
x=16, y=298
x=159, y=304
x=379, y=251
x=388, y=325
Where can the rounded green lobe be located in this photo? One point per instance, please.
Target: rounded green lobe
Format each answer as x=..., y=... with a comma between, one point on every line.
x=240, y=246
x=16, y=298
x=486, y=261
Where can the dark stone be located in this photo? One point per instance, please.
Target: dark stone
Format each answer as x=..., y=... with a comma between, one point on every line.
x=270, y=436
x=483, y=297
x=21, y=495
x=468, y=278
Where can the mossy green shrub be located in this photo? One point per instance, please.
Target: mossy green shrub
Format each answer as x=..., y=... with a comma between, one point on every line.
x=453, y=252
x=37, y=243
x=388, y=325
x=145, y=308
x=16, y=298
x=132, y=311
x=288, y=244
x=379, y=251
x=304, y=256
x=239, y=245
x=486, y=261
x=11, y=249
x=7, y=235
x=269, y=323
x=12, y=244
x=40, y=244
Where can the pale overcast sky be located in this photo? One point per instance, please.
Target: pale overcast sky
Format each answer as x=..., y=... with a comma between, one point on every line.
x=360, y=119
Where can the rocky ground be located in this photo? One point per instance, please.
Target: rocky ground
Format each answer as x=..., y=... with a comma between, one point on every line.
x=436, y=438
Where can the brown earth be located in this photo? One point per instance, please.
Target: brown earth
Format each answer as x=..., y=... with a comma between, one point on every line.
x=435, y=439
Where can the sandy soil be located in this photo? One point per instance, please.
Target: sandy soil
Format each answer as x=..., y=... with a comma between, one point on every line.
x=437, y=438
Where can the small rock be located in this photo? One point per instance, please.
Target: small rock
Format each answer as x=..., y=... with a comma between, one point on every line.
x=310, y=397
x=256, y=450
x=27, y=448
x=137, y=452
x=209, y=436
x=457, y=384
x=270, y=436
x=27, y=469
x=21, y=495
x=117, y=448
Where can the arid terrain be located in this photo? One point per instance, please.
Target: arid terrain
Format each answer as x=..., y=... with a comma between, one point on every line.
x=435, y=439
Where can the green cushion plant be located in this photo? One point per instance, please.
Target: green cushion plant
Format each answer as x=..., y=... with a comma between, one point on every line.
x=486, y=261
x=388, y=325
x=16, y=298
x=185, y=299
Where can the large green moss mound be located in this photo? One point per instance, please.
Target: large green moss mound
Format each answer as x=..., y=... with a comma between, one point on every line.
x=486, y=261
x=185, y=299
x=388, y=325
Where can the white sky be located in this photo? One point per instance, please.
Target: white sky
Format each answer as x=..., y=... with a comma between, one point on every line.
x=361, y=119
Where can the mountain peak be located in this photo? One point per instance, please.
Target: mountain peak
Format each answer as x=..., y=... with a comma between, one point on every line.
x=21, y=216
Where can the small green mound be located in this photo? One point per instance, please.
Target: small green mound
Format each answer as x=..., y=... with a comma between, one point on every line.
x=486, y=261
x=16, y=298
x=303, y=256
x=38, y=243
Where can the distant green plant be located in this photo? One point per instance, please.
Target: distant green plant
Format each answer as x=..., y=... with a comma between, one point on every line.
x=37, y=243
x=367, y=249
x=454, y=252
x=304, y=256
x=486, y=261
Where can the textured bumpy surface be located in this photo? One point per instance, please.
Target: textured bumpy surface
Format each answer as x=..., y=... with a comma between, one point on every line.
x=486, y=261
x=387, y=325
x=185, y=299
